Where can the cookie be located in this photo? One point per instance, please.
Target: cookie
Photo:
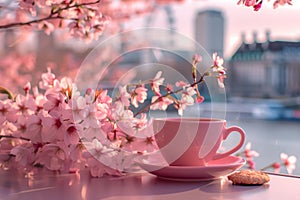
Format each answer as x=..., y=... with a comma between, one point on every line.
x=249, y=177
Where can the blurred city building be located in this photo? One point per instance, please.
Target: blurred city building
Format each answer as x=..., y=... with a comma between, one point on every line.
x=209, y=31
x=269, y=69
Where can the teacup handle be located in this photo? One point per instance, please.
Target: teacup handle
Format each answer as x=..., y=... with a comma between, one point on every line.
x=237, y=147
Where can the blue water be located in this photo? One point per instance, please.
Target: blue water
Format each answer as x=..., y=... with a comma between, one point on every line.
x=271, y=138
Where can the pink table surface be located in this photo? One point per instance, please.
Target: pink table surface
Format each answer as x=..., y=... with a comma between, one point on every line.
x=138, y=186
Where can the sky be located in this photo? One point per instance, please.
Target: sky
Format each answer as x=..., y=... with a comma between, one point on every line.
x=283, y=22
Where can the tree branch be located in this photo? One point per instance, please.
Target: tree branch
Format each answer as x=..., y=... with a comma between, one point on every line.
x=147, y=107
x=13, y=137
x=52, y=15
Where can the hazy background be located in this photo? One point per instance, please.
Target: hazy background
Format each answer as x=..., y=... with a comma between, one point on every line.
x=283, y=22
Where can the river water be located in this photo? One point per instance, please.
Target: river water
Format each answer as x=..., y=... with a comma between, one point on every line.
x=270, y=138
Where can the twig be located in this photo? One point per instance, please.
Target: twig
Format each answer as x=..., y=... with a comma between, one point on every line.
x=285, y=175
x=147, y=107
x=13, y=137
x=52, y=15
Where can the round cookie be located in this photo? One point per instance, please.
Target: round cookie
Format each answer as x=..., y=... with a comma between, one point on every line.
x=249, y=177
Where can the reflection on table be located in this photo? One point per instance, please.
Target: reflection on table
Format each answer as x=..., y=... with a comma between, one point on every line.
x=137, y=186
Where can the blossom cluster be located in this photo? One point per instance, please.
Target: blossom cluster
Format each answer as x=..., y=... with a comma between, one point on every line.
x=58, y=127
x=85, y=19
x=256, y=4
x=289, y=162
x=82, y=18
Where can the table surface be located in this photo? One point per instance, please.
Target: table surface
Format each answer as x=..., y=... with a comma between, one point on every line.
x=144, y=186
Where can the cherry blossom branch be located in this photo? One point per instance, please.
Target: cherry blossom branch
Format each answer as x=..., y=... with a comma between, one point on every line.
x=52, y=124
x=286, y=161
x=53, y=15
x=257, y=4
x=275, y=166
x=147, y=107
x=216, y=70
x=13, y=137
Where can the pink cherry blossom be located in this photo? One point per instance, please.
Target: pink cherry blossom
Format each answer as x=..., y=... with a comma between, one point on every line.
x=121, y=114
x=141, y=144
x=24, y=105
x=28, y=5
x=162, y=104
x=103, y=97
x=200, y=99
x=281, y=2
x=54, y=101
x=78, y=106
x=250, y=2
x=186, y=100
x=102, y=112
x=4, y=109
x=71, y=135
x=34, y=129
x=76, y=151
x=249, y=153
x=90, y=133
x=156, y=82
x=181, y=84
x=53, y=156
x=67, y=87
x=39, y=98
x=47, y=27
x=196, y=59
x=89, y=115
x=54, y=129
x=219, y=69
x=24, y=154
x=97, y=149
x=21, y=126
x=139, y=96
x=289, y=162
x=256, y=4
x=123, y=161
x=98, y=169
x=141, y=122
x=218, y=61
x=169, y=88
x=47, y=80
x=27, y=88
x=250, y=162
x=103, y=107
x=124, y=96
x=276, y=167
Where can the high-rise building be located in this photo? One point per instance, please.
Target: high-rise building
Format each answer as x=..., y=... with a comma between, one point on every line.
x=209, y=31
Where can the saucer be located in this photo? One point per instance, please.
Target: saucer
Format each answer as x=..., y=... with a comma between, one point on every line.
x=213, y=170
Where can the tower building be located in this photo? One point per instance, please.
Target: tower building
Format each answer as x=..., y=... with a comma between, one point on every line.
x=209, y=31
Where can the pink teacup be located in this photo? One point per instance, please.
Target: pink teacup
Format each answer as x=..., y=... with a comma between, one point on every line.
x=193, y=141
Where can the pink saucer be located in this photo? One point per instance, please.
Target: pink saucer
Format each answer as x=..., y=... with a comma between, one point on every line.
x=214, y=169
